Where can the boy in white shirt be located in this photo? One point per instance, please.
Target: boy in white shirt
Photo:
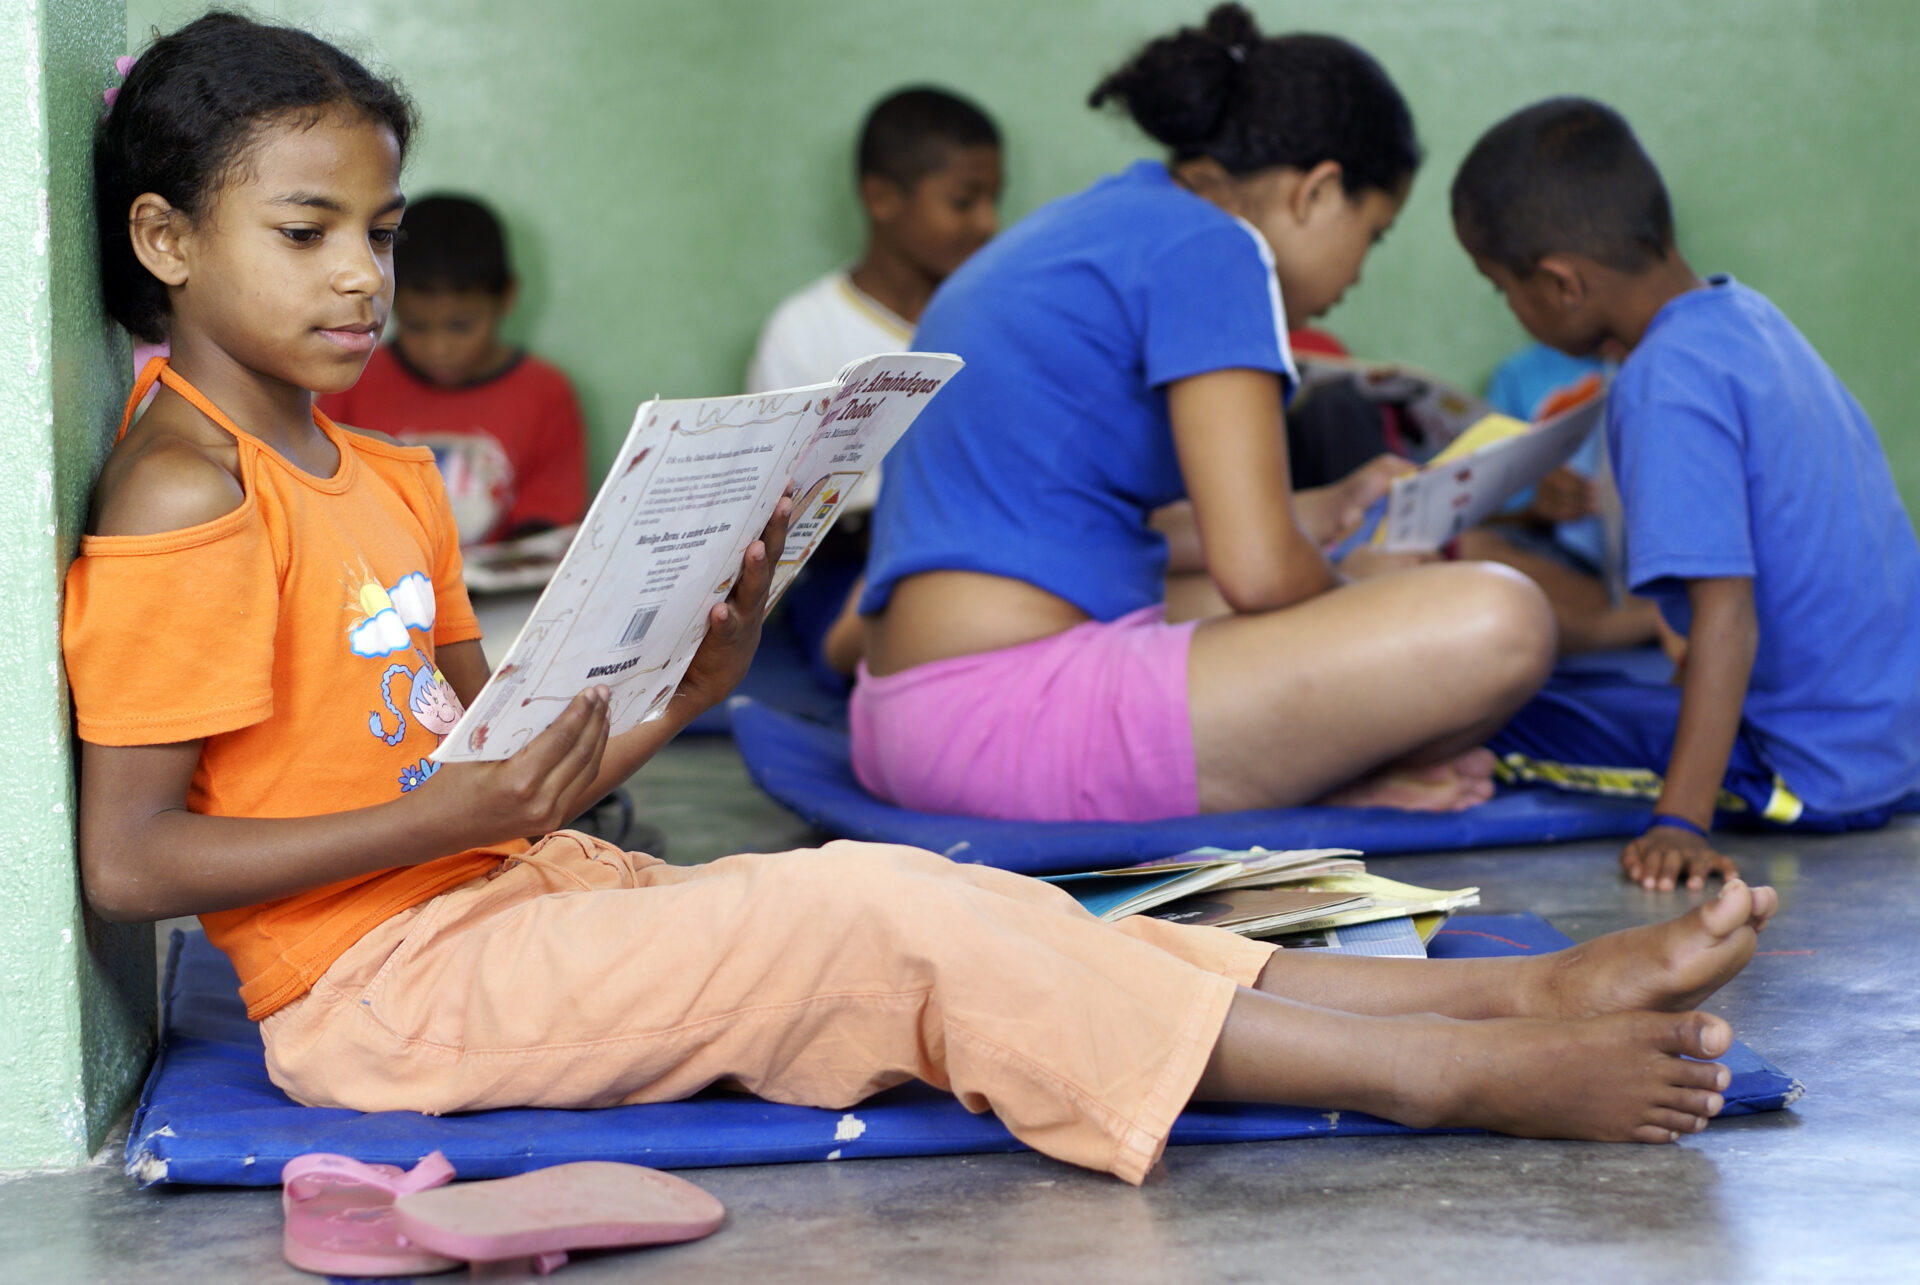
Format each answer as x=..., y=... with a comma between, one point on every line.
x=929, y=173
x=930, y=179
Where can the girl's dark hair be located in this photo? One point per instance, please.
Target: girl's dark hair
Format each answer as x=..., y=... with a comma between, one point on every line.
x=183, y=122
x=1252, y=102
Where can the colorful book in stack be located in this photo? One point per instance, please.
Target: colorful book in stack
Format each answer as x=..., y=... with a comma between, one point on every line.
x=1305, y=899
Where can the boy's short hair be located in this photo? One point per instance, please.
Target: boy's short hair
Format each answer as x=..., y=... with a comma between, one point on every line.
x=1564, y=176
x=909, y=132
x=451, y=243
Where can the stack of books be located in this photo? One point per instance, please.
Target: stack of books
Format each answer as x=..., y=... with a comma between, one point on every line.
x=1306, y=899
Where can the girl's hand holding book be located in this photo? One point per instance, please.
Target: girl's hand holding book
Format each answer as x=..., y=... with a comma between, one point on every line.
x=538, y=790
x=1328, y=514
x=733, y=626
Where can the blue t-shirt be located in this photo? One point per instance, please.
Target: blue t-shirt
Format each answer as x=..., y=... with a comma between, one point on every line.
x=1042, y=459
x=1520, y=386
x=1739, y=453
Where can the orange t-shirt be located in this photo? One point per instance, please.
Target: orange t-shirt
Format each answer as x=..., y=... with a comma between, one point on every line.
x=294, y=637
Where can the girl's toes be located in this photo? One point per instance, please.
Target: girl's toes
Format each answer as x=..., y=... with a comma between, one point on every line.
x=1680, y=1122
x=1655, y=1134
x=1696, y=1034
x=1732, y=908
x=1701, y=1075
x=1696, y=1102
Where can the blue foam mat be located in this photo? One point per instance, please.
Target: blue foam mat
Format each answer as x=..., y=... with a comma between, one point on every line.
x=805, y=766
x=208, y=1115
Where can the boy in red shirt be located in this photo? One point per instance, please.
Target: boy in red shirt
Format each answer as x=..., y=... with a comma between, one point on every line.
x=502, y=424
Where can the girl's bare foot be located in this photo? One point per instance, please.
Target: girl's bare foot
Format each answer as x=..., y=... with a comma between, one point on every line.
x=1669, y=966
x=1624, y=1077
x=1452, y=786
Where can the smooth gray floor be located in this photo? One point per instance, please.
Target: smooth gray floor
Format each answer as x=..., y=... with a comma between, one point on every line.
x=1827, y=1191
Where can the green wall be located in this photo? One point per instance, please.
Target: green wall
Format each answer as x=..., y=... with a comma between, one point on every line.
x=670, y=170
x=77, y=994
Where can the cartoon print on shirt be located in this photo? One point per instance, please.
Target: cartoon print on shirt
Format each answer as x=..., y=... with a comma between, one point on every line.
x=384, y=620
x=429, y=696
x=385, y=616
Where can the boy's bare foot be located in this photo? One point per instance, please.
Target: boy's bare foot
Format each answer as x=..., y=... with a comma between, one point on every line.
x=1452, y=786
x=1624, y=1077
x=1668, y=966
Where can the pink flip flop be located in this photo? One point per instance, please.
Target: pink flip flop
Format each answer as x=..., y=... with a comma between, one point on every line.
x=590, y=1204
x=339, y=1216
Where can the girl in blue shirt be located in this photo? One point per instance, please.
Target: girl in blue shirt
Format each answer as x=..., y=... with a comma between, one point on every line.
x=1127, y=352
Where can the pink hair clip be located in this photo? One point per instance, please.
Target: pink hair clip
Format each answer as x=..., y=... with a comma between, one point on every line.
x=121, y=67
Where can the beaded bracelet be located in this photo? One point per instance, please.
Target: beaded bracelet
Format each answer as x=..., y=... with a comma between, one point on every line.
x=1673, y=822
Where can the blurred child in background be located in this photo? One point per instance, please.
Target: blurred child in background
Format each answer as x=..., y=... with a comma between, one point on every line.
x=503, y=425
x=930, y=180
x=929, y=176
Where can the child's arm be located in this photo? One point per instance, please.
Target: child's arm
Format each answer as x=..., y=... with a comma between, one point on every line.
x=1720, y=650
x=1234, y=462
x=144, y=855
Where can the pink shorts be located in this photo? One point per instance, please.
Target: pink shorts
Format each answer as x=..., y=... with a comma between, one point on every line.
x=1088, y=725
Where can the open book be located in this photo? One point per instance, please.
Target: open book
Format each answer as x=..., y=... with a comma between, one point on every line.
x=694, y=483
x=1474, y=459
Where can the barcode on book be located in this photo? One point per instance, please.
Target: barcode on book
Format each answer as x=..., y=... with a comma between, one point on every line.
x=637, y=627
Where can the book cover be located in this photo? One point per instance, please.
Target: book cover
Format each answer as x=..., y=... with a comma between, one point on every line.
x=1115, y=894
x=1473, y=460
x=693, y=484
x=1257, y=912
x=1386, y=898
x=1396, y=938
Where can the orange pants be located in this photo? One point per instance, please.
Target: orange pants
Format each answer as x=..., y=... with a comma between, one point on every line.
x=583, y=976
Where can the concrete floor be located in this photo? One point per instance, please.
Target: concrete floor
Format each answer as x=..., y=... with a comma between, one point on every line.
x=1827, y=1191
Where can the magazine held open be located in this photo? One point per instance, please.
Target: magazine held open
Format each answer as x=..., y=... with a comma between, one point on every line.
x=694, y=483
x=1472, y=459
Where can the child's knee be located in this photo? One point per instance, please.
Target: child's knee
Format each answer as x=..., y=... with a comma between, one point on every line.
x=1506, y=625
x=864, y=883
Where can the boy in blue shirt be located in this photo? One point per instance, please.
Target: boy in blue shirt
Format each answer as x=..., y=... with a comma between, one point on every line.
x=1752, y=482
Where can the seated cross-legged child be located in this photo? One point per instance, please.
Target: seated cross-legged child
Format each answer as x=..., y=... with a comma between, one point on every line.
x=252, y=576
x=1127, y=349
x=1553, y=531
x=929, y=173
x=1752, y=484
x=503, y=425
